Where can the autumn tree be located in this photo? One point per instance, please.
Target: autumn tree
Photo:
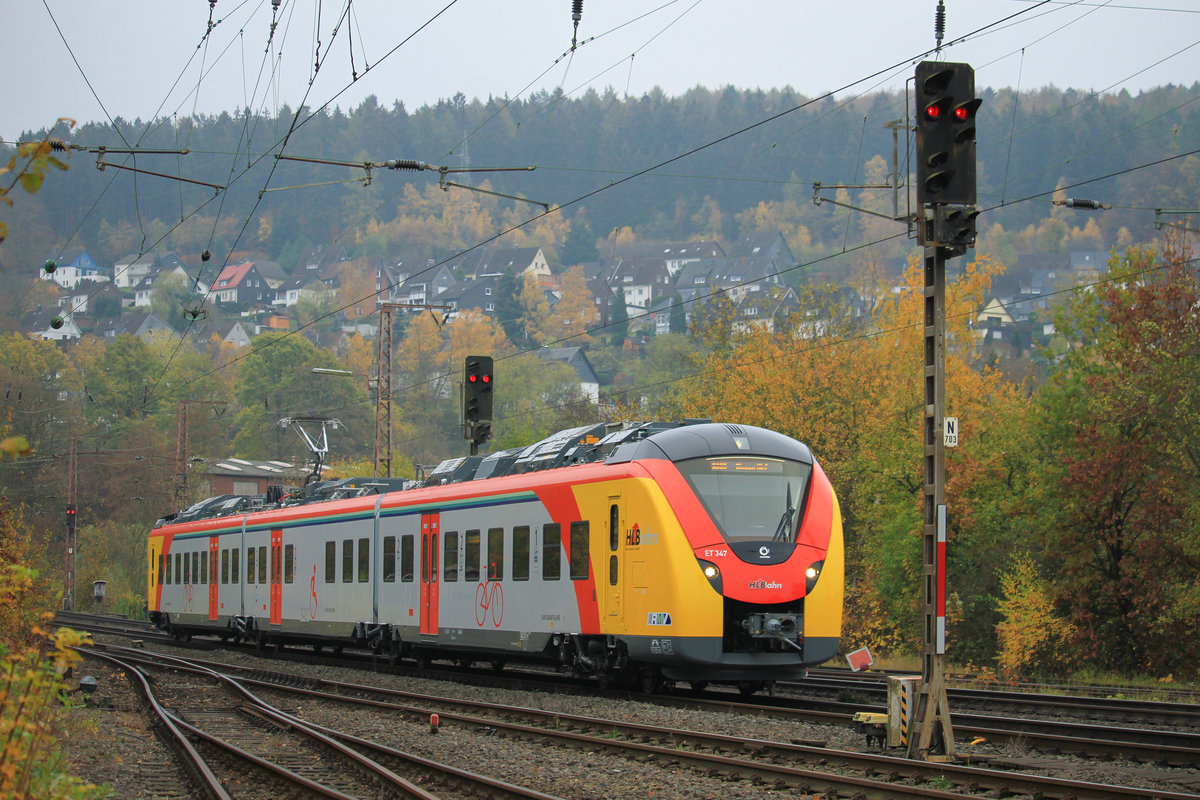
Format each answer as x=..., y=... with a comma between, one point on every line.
x=534, y=398
x=535, y=310
x=275, y=380
x=575, y=314
x=1116, y=509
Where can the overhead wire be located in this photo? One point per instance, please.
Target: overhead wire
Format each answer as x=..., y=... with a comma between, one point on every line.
x=639, y=173
x=642, y=172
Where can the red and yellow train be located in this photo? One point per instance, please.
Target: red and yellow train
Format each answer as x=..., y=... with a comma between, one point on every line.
x=652, y=552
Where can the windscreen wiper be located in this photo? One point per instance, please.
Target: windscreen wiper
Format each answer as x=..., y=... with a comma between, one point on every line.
x=783, y=531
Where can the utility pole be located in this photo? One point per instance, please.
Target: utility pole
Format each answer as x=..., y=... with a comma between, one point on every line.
x=71, y=539
x=181, y=449
x=383, y=385
x=383, y=393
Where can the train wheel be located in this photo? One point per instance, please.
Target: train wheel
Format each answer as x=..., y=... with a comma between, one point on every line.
x=423, y=661
x=278, y=645
x=337, y=649
x=604, y=680
x=650, y=681
x=497, y=666
x=749, y=687
x=316, y=648
x=393, y=654
x=260, y=642
x=698, y=686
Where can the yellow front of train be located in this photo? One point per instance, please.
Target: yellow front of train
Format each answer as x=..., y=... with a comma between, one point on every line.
x=724, y=557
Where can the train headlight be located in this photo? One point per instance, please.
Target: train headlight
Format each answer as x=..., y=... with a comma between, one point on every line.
x=811, y=574
x=712, y=572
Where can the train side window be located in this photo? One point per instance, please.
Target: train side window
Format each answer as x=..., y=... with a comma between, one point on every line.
x=196, y=561
x=389, y=559
x=614, y=527
x=289, y=563
x=551, y=552
x=262, y=564
x=520, y=556
x=347, y=560
x=225, y=566
x=187, y=569
x=233, y=565
x=160, y=568
x=471, y=567
x=178, y=568
x=612, y=571
x=364, y=560
x=495, y=553
x=406, y=558
x=579, y=550
x=204, y=568
x=450, y=559
x=168, y=579
x=330, y=562
x=250, y=557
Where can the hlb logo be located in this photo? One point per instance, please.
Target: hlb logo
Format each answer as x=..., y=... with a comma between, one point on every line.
x=633, y=536
x=765, y=585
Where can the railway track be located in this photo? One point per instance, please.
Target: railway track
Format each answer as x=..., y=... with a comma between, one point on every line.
x=223, y=736
x=1050, y=737
x=775, y=764
x=1183, y=715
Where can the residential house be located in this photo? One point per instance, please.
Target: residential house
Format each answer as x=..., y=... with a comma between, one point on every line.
x=479, y=293
x=765, y=308
x=321, y=260
x=226, y=331
x=420, y=284
x=642, y=280
x=674, y=255
x=51, y=324
x=771, y=246
x=87, y=293
x=497, y=261
x=744, y=274
x=143, y=324
x=144, y=288
x=242, y=285
x=129, y=270
x=304, y=286
x=271, y=272
x=72, y=266
x=576, y=359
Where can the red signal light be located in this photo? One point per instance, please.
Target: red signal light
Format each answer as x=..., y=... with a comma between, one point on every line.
x=471, y=378
x=961, y=113
x=486, y=378
x=933, y=111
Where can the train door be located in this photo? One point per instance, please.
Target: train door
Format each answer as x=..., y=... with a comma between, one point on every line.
x=214, y=584
x=429, y=574
x=155, y=573
x=275, y=576
x=616, y=567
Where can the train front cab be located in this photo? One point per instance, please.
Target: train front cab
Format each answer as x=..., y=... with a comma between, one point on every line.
x=725, y=567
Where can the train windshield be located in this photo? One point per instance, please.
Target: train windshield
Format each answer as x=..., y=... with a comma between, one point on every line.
x=748, y=497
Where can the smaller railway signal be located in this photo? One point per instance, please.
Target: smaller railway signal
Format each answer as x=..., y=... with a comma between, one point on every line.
x=478, y=384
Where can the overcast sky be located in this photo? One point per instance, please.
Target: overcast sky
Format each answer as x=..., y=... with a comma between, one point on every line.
x=144, y=58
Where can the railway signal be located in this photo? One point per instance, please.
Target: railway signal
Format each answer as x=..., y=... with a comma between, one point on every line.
x=478, y=384
x=946, y=106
